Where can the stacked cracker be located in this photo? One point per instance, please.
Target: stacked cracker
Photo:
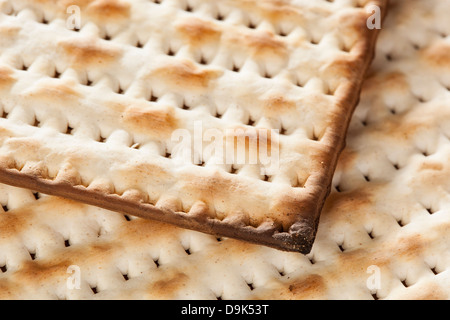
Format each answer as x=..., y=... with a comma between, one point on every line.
x=95, y=112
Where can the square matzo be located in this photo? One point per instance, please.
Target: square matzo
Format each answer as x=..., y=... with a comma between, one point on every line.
x=97, y=98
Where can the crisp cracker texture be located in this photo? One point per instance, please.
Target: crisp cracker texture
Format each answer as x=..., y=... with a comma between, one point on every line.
x=91, y=112
x=383, y=234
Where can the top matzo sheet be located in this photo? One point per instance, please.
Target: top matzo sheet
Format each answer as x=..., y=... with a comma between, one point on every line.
x=226, y=117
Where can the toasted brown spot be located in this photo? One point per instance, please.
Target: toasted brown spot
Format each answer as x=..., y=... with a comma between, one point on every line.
x=154, y=121
x=347, y=159
x=8, y=34
x=342, y=68
x=169, y=285
x=351, y=26
x=272, y=10
x=436, y=166
x=13, y=223
x=259, y=44
x=10, y=289
x=437, y=55
x=394, y=81
x=308, y=286
x=278, y=105
x=5, y=135
x=347, y=206
x=197, y=31
x=289, y=208
x=105, y=10
x=88, y=53
x=66, y=3
x=27, y=148
x=186, y=75
x=428, y=291
x=6, y=77
x=143, y=231
x=55, y=269
x=134, y=175
x=54, y=90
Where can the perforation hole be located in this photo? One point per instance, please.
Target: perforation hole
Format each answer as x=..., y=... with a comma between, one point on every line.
x=5, y=208
x=370, y=233
x=425, y=153
x=120, y=90
x=94, y=290
x=375, y=296
x=251, y=286
x=434, y=270
x=32, y=255
x=185, y=106
x=314, y=137
x=36, y=123
x=341, y=247
x=157, y=1
x=267, y=75
x=66, y=243
x=127, y=218
x=139, y=44
x=69, y=130
x=404, y=283
x=136, y=146
x=56, y=74
x=235, y=68
x=188, y=251
x=430, y=210
x=157, y=263
x=299, y=184
x=367, y=178
x=220, y=16
x=314, y=42
x=125, y=276
x=251, y=25
x=4, y=114
x=36, y=195
x=201, y=163
x=401, y=223
x=170, y=52
x=188, y=7
x=153, y=98
x=282, y=33
x=233, y=170
x=4, y=268
x=202, y=60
